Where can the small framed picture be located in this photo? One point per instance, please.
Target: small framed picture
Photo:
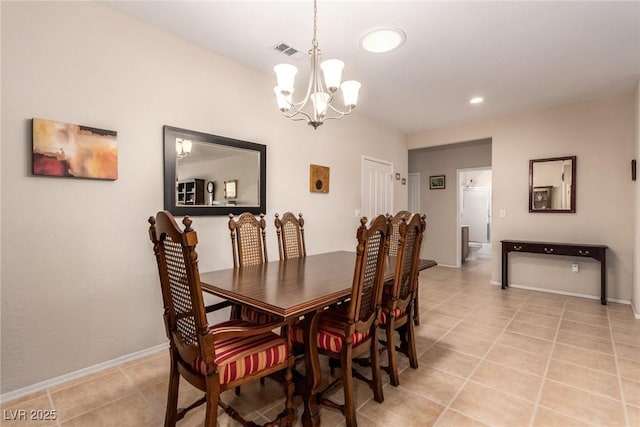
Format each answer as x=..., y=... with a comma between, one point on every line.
x=436, y=182
x=230, y=189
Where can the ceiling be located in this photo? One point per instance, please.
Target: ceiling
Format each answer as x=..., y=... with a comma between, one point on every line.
x=517, y=55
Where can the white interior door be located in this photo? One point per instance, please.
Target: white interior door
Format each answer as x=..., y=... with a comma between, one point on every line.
x=377, y=187
x=414, y=192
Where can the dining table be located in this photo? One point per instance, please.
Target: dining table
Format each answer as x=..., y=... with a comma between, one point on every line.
x=290, y=289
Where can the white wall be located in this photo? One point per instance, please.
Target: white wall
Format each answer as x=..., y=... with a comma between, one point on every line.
x=79, y=284
x=601, y=134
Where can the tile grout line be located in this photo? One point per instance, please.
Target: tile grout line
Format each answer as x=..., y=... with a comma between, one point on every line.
x=136, y=389
x=53, y=406
x=623, y=399
x=536, y=405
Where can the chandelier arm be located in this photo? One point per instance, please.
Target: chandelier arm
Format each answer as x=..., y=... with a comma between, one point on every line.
x=299, y=119
x=298, y=112
x=339, y=116
x=333, y=117
x=342, y=113
x=298, y=105
x=297, y=108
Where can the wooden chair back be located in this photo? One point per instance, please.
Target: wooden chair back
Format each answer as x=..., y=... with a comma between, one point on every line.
x=177, y=259
x=290, y=231
x=371, y=255
x=395, y=223
x=408, y=255
x=248, y=239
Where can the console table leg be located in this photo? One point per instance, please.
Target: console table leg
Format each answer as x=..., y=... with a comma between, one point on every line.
x=505, y=271
x=603, y=279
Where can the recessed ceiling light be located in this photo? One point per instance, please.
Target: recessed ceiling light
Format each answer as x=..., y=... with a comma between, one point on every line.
x=476, y=100
x=381, y=40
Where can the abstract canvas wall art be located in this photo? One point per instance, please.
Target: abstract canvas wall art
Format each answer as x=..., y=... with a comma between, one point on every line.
x=67, y=150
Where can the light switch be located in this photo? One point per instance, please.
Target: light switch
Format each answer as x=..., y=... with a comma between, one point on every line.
x=357, y=213
x=503, y=213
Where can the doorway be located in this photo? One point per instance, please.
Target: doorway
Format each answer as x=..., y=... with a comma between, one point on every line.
x=377, y=187
x=474, y=213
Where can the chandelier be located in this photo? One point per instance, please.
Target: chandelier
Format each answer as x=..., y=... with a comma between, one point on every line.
x=183, y=147
x=321, y=93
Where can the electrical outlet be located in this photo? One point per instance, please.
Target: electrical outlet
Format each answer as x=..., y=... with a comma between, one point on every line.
x=357, y=213
x=575, y=267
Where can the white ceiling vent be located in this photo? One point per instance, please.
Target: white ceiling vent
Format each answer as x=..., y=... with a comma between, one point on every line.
x=288, y=50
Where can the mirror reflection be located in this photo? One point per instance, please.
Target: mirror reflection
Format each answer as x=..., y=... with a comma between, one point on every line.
x=210, y=163
x=552, y=185
x=212, y=175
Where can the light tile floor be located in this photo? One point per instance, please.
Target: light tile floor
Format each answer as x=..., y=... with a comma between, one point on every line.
x=487, y=357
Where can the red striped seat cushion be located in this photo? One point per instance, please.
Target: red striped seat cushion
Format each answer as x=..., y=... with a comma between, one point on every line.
x=397, y=312
x=330, y=332
x=255, y=316
x=238, y=357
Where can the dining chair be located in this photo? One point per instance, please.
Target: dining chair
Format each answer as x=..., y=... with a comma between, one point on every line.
x=212, y=358
x=290, y=231
x=393, y=251
x=346, y=331
x=398, y=300
x=249, y=247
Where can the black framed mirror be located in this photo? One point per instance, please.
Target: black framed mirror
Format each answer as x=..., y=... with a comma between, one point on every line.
x=552, y=185
x=197, y=165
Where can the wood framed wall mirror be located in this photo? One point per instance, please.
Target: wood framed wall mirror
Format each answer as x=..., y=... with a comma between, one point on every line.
x=197, y=166
x=552, y=185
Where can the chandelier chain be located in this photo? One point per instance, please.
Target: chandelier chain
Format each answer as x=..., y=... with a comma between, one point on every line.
x=314, y=42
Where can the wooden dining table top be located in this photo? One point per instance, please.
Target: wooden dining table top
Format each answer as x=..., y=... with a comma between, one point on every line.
x=291, y=287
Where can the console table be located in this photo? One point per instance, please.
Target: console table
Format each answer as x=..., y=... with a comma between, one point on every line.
x=597, y=252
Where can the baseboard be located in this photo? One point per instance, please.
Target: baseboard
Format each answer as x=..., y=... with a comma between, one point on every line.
x=447, y=265
x=554, y=291
x=12, y=395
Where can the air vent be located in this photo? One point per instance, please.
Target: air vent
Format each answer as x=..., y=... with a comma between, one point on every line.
x=288, y=50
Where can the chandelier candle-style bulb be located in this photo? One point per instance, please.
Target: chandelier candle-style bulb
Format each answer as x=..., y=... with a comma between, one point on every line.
x=332, y=69
x=183, y=147
x=284, y=101
x=320, y=101
x=286, y=74
x=350, y=90
x=324, y=82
